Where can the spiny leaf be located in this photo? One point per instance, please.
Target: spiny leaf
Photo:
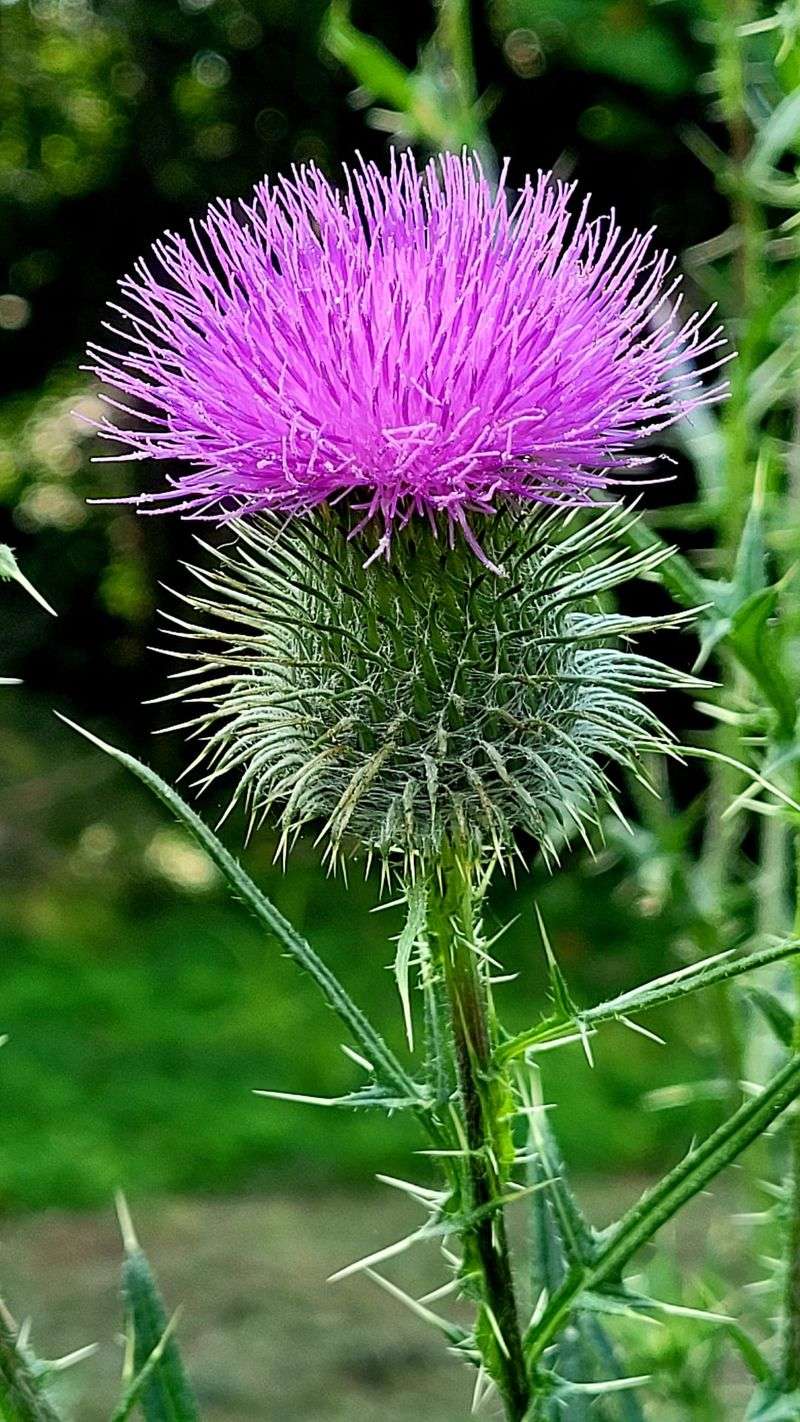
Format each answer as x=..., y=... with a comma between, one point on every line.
x=368, y=1096
x=388, y=1070
x=21, y=1398
x=774, y=1013
x=457, y=1336
x=165, y=1393
x=558, y=991
x=621, y=1241
x=409, y=938
x=721, y=967
x=133, y=1393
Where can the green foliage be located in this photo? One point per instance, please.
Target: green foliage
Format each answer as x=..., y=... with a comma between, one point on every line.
x=21, y=1397
x=158, y=1383
x=477, y=1154
x=631, y=43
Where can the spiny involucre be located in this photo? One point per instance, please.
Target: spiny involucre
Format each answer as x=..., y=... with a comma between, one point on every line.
x=420, y=341
x=422, y=698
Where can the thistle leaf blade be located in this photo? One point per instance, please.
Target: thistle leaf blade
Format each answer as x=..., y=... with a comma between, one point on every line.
x=388, y=1070
x=163, y=1389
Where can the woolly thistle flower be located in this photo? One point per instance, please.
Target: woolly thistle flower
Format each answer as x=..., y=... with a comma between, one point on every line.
x=422, y=699
x=420, y=342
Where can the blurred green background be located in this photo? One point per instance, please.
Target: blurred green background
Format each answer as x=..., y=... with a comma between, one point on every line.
x=142, y=1006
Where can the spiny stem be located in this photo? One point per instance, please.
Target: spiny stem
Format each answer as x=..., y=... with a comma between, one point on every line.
x=484, y=1100
x=20, y=1400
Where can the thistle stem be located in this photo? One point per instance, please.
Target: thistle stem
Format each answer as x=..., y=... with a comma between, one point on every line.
x=484, y=1096
x=20, y=1400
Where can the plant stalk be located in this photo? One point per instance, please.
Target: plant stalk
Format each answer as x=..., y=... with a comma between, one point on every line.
x=20, y=1399
x=488, y=1148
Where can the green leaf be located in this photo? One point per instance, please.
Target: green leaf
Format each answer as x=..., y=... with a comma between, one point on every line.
x=718, y=969
x=621, y=1241
x=749, y=574
x=774, y=1013
x=165, y=1393
x=558, y=991
x=772, y=138
x=559, y=1233
x=387, y=1068
x=756, y=642
x=368, y=61
x=575, y=1239
x=769, y=1405
x=750, y=1353
x=133, y=1393
x=366, y=1097
x=10, y=571
x=412, y=931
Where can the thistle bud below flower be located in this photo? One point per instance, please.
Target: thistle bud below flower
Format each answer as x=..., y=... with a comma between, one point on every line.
x=421, y=697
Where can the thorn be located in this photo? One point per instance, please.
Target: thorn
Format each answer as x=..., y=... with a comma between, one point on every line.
x=495, y=1327
x=297, y=1097
x=419, y=1192
x=643, y=1031
x=389, y=1252
x=585, y=1043
x=59, y=1365
x=129, y=1240
x=356, y=1057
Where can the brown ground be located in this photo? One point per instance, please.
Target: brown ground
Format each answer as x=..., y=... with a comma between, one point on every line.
x=264, y=1336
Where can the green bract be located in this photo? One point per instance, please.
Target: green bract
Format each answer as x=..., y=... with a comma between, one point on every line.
x=426, y=694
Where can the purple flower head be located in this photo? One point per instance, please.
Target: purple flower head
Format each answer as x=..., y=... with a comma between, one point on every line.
x=422, y=342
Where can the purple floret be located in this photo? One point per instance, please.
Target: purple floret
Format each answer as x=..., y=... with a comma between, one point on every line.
x=421, y=342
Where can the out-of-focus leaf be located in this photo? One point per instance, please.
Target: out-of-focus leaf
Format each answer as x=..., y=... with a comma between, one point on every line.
x=773, y=1012
x=369, y=62
x=768, y=1405
x=621, y=1241
x=165, y=1392
x=755, y=639
x=772, y=138
x=627, y=43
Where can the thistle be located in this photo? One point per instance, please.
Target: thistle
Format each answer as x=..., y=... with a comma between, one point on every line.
x=421, y=700
x=418, y=343
x=370, y=388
